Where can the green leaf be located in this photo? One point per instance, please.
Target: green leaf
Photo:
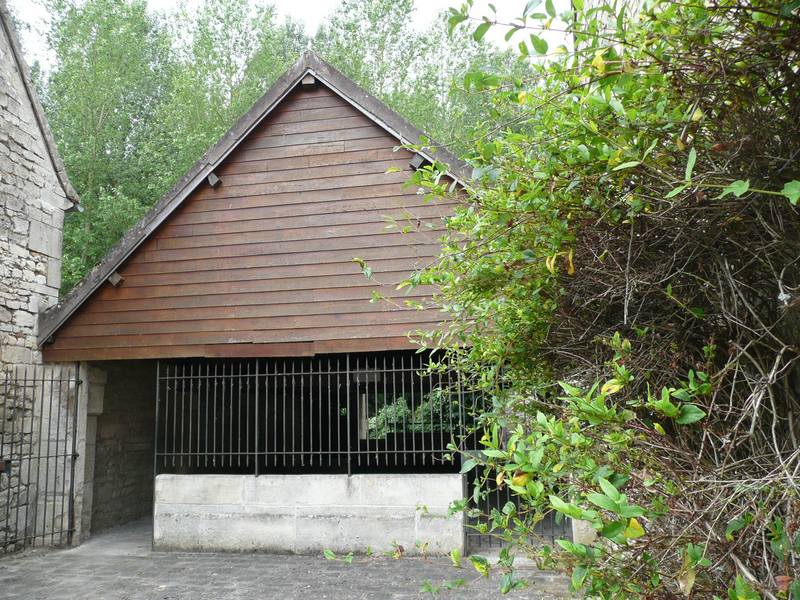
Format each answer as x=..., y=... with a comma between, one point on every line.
x=737, y=188
x=550, y=8
x=690, y=414
x=530, y=6
x=609, y=489
x=539, y=44
x=602, y=501
x=675, y=191
x=329, y=554
x=578, y=577
x=481, y=30
x=690, y=164
x=455, y=558
x=480, y=564
x=792, y=191
x=627, y=165
x=468, y=465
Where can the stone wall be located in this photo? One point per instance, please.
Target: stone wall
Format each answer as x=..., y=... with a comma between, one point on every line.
x=34, y=194
x=32, y=203
x=308, y=513
x=122, y=486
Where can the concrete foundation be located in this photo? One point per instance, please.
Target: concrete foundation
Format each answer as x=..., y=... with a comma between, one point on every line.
x=308, y=513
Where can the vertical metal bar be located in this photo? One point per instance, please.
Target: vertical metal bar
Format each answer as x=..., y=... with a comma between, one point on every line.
x=239, y=420
x=39, y=457
x=412, y=383
x=47, y=456
x=385, y=413
x=442, y=397
x=349, y=400
x=158, y=410
x=431, y=401
x=293, y=421
x=222, y=411
x=6, y=379
x=405, y=405
x=284, y=411
x=71, y=510
x=376, y=392
x=183, y=408
x=65, y=458
x=338, y=413
x=201, y=382
x=29, y=505
x=231, y=444
x=20, y=451
x=302, y=413
x=256, y=458
x=166, y=414
x=248, y=422
x=284, y=440
x=55, y=467
x=26, y=457
x=190, y=416
x=205, y=424
x=330, y=421
x=421, y=378
x=320, y=432
x=216, y=384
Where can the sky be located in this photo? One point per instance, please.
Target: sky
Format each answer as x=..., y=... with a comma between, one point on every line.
x=310, y=12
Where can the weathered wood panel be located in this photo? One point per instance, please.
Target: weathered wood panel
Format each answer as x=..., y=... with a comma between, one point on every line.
x=263, y=264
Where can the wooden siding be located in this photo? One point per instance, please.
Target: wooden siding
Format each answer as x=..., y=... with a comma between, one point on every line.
x=263, y=265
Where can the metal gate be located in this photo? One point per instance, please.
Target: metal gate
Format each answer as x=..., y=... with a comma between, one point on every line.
x=38, y=423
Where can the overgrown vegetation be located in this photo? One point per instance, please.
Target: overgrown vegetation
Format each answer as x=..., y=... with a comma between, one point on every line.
x=624, y=276
x=135, y=97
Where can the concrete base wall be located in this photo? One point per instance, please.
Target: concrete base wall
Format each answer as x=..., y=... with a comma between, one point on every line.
x=308, y=513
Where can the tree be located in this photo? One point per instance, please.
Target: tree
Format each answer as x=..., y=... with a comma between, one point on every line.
x=623, y=276
x=111, y=72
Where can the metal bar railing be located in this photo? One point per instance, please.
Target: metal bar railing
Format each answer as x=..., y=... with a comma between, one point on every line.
x=345, y=413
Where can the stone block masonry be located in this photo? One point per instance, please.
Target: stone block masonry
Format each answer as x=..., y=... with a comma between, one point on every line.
x=308, y=513
x=34, y=195
x=32, y=204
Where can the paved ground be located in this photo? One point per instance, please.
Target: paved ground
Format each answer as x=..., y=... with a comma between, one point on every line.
x=119, y=565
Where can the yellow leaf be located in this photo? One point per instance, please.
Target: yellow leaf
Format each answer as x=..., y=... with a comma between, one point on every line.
x=659, y=428
x=522, y=479
x=598, y=62
x=501, y=476
x=550, y=263
x=686, y=580
x=627, y=67
x=697, y=114
x=612, y=386
x=570, y=264
x=522, y=97
x=633, y=530
x=681, y=145
x=558, y=467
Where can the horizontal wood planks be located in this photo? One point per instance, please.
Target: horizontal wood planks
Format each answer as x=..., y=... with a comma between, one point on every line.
x=262, y=265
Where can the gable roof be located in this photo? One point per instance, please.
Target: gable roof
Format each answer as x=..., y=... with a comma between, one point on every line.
x=38, y=112
x=309, y=63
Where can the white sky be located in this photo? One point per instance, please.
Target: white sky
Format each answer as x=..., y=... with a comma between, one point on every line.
x=310, y=12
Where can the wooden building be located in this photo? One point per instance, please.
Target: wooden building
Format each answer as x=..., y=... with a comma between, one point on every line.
x=251, y=254
x=241, y=383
